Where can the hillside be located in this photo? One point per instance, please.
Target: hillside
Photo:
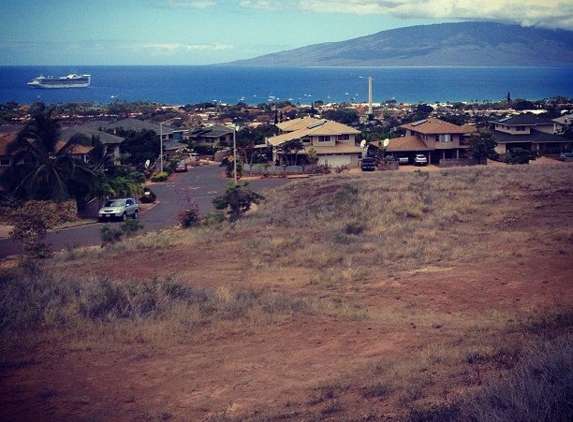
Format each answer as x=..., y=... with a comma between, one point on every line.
x=448, y=44
x=402, y=296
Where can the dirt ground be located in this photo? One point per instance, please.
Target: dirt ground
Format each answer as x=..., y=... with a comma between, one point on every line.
x=276, y=368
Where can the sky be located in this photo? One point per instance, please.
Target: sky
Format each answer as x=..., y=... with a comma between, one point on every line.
x=200, y=32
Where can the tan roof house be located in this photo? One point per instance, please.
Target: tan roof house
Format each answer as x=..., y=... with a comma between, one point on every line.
x=333, y=143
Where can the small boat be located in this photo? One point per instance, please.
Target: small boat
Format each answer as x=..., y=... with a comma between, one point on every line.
x=70, y=81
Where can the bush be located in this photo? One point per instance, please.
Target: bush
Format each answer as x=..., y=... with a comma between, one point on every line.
x=237, y=200
x=160, y=177
x=148, y=196
x=32, y=220
x=540, y=388
x=189, y=216
x=519, y=156
x=110, y=235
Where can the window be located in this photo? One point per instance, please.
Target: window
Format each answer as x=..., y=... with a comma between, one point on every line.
x=344, y=137
x=4, y=162
x=306, y=141
x=446, y=137
x=324, y=139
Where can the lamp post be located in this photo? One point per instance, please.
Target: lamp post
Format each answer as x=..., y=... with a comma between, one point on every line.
x=161, y=147
x=235, y=152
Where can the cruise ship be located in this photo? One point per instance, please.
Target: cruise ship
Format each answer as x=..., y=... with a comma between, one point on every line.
x=70, y=81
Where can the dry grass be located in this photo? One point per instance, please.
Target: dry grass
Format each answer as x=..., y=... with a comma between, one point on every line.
x=357, y=255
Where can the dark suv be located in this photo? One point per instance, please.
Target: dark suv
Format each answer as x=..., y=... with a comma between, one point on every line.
x=368, y=164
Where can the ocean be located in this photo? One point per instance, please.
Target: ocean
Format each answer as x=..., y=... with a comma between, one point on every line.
x=180, y=85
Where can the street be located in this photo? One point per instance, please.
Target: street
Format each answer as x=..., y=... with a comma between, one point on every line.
x=201, y=184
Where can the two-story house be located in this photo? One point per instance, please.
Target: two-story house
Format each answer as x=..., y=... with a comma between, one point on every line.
x=530, y=132
x=333, y=143
x=435, y=138
x=213, y=135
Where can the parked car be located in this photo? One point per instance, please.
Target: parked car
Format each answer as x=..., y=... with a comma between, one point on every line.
x=119, y=209
x=420, y=160
x=566, y=156
x=403, y=159
x=181, y=167
x=368, y=164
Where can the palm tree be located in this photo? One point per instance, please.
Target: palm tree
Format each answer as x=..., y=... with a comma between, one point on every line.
x=43, y=167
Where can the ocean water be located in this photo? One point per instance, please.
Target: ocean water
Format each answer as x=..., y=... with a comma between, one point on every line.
x=179, y=85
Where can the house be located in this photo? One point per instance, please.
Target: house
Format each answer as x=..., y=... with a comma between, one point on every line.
x=435, y=138
x=530, y=132
x=110, y=141
x=214, y=135
x=333, y=143
x=563, y=123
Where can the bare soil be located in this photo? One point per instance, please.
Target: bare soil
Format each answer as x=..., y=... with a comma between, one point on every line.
x=279, y=368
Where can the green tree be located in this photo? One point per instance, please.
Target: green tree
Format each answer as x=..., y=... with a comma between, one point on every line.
x=237, y=200
x=290, y=147
x=43, y=167
x=482, y=145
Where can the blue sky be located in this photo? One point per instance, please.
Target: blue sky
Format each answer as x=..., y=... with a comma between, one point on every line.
x=197, y=32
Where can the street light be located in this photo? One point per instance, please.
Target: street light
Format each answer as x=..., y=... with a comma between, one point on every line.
x=235, y=152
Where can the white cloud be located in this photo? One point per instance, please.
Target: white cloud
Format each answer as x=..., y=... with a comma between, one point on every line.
x=169, y=48
x=194, y=4
x=544, y=13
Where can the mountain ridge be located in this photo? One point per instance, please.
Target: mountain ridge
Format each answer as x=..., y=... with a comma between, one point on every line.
x=445, y=44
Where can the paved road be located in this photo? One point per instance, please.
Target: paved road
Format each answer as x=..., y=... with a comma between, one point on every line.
x=201, y=183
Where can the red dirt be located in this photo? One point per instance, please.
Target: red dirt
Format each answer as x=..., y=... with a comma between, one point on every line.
x=276, y=368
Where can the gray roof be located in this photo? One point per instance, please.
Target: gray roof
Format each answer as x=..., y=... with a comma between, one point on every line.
x=535, y=136
x=173, y=145
x=215, y=131
x=89, y=131
x=524, y=119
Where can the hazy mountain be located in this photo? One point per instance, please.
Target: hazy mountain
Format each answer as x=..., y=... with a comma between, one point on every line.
x=448, y=44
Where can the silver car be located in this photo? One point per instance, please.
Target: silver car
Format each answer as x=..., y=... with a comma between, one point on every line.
x=119, y=208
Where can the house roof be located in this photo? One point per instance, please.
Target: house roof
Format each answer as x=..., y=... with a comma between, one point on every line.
x=130, y=124
x=89, y=131
x=564, y=120
x=215, y=131
x=315, y=127
x=296, y=124
x=433, y=126
x=76, y=150
x=524, y=119
x=173, y=145
x=535, y=136
x=404, y=143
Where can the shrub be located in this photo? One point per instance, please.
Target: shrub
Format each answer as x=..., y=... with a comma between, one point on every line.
x=32, y=220
x=148, y=196
x=540, y=388
x=189, y=216
x=110, y=235
x=237, y=200
x=160, y=177
x=519, y=156
x=130, y=227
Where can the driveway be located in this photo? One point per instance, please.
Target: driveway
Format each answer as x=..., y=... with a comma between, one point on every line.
x=201, y=184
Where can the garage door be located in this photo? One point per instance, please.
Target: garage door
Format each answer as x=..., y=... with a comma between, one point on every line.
x=334, y=160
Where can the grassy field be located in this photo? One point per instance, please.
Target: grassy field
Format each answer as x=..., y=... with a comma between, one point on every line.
x=419, y=296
